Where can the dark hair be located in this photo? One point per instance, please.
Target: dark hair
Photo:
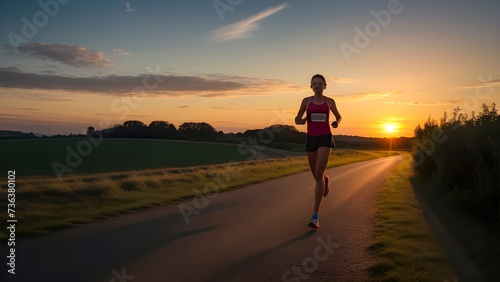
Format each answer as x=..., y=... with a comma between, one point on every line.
x=320, y=76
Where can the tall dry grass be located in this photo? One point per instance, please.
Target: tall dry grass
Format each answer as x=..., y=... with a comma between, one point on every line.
x=45, y=204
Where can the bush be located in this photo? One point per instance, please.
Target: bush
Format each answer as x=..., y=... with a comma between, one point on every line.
x=463, y=153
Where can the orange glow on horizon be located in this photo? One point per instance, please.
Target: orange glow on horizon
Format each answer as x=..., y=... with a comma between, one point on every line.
x=389, y=129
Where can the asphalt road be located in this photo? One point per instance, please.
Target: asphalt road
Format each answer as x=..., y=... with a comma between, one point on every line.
x=256, y=233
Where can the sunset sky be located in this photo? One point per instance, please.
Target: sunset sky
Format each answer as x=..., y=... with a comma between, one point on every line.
x=242, y=64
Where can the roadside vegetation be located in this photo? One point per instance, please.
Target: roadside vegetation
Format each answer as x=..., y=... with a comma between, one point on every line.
x=46, y=204
x=463, y=155
x=478, y=241
x=457, y=164
x=405, y=245
x=454, y=169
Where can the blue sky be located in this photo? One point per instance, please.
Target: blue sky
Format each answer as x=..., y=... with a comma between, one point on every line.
x=246, y=65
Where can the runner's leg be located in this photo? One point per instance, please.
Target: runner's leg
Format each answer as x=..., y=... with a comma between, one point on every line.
x=312, y=158
x=323, y=154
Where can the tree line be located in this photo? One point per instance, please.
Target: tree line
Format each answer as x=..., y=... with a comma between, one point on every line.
x=192, y=131
x=277, y=136
x=157, y=129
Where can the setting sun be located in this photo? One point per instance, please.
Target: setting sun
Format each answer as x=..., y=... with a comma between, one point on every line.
x=390, y=127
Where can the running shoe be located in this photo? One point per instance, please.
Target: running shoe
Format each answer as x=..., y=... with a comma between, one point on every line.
x=314, y=223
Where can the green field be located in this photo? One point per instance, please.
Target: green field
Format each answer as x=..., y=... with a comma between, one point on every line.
x=124, y=175
x=46, y=204
x=35, y=157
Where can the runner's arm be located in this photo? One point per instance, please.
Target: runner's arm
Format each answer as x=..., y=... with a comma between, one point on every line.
x=335, y=111
x=302, y=110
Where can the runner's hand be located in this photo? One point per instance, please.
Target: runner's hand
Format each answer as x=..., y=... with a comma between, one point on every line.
x=299, y=120
x=335, y=124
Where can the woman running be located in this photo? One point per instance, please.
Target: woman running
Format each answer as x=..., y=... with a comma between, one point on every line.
x=319, y=139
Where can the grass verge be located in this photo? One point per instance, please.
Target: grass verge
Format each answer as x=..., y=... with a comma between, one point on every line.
x=45, y=204
x=479, y=243
x=405, y=246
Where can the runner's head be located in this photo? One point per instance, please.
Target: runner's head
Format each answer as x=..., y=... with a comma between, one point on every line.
x=318, y=83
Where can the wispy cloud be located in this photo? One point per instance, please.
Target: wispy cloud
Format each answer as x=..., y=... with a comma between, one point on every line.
x=368, y=96
x=344, y=80
x=158, y=84
x=396, y=119
x=9, y=115
x=479, y=84
x=119, y=115
x=243, y=28
x=25, y=109
x=128, y=7
x=31, y=95
x=428, y=103
x=419, y=103
x=71, y=55
x=185, y=106
x=121, y=52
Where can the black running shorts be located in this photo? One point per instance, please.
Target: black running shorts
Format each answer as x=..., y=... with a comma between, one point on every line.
x=314, y=142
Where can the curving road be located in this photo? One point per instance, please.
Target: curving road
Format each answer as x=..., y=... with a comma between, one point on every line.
x=256, y=233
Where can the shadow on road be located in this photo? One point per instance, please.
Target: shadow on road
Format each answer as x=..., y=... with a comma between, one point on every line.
x=90, y=257
x=241, y=265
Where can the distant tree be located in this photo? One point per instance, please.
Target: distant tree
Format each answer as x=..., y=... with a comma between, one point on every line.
x=134, y=123
x=112, y=131
x=277, y=133
x=90, y=131
x=112, y=128
x=158, y=123
x=197, y=129
x=130, y=129
x=161, y=129
x=489, y=114
x=280, y=127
